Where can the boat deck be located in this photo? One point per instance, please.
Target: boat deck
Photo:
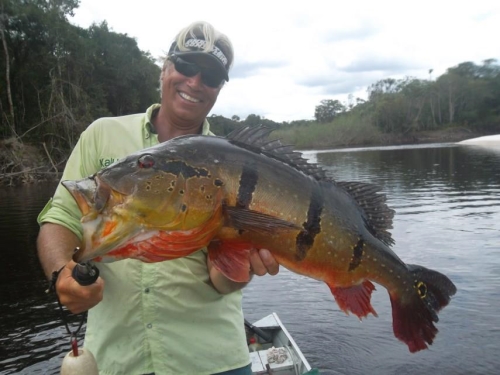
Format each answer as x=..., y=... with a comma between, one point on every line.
x=279, y=355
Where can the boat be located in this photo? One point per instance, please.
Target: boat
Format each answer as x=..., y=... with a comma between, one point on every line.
x=273, y=350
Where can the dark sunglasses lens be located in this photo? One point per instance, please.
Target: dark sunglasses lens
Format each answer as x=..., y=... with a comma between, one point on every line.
x=211, y=78
x=186, y=68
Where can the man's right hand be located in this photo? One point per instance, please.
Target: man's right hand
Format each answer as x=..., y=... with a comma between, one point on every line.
x=75, y=297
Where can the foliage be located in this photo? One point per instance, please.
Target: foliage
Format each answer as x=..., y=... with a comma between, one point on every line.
x=62, y=77
x=57, y=78
x=467, y=95
x=327, y=110
x=344, y=131
x=221, y=125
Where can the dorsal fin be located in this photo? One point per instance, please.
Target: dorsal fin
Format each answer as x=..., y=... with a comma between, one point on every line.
x=378, y=215
x=256, y=138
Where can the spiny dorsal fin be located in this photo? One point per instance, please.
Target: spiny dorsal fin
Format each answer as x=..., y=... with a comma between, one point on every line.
x=378, y=215
x=256, y=138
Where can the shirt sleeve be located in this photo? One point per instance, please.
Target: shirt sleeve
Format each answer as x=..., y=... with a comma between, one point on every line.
x=83, y=162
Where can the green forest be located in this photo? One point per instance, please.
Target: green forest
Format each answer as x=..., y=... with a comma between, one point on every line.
x=56, y=78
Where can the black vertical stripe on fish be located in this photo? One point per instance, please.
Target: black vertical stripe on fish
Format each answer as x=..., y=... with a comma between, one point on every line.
x=248, y=182
x=305, y=239
x=357, y=254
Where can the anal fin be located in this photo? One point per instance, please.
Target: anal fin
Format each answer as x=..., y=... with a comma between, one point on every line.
x=355, y=299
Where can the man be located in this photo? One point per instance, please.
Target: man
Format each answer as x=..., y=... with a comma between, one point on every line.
x=175, y=317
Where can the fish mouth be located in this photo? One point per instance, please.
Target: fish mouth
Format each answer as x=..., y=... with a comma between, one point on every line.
x=83, y=192
x=91, y=193
x=104, y=228
x=102, y=235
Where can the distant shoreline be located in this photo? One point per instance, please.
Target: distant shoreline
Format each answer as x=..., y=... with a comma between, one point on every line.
x=35, y=167
x=450, y=135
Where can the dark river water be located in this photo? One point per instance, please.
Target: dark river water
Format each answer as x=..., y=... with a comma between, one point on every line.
x=447, y=203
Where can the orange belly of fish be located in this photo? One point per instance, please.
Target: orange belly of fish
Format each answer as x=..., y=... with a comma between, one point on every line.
x=157, y=246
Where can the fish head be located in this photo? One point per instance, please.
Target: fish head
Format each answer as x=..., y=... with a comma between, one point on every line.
x=145, y=192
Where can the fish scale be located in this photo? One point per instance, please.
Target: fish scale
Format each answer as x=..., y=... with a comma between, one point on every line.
x=245, y=192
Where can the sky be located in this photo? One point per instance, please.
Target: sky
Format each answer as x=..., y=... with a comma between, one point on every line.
x=290, y=55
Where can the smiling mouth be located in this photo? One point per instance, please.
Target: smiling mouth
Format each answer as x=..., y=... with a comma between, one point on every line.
x=188, y=97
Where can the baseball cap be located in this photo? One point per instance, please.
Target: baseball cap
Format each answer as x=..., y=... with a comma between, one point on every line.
x=196, y=52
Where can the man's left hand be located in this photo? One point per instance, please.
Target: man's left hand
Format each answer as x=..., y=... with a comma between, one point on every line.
x=262, y=262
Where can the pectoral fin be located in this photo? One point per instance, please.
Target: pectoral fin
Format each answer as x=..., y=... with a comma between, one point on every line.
x=245, y=219
x=232, y=258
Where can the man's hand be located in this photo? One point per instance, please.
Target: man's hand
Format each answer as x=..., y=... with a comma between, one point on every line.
x=55, y=245
x=75, y=297
x=262, y=262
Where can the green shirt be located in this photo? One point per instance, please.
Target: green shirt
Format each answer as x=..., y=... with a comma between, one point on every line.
x=155, y=317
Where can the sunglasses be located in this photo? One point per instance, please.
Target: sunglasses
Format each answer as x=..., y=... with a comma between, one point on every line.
x=209, y=77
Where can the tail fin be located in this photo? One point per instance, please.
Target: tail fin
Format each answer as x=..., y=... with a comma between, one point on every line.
x=414, y=312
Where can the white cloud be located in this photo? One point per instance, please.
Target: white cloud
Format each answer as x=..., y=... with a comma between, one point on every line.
x=291, y=55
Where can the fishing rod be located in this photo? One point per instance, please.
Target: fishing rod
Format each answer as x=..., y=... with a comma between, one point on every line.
x=78, y=360
x=264, y=335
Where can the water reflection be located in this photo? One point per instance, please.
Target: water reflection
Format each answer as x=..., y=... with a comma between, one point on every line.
x=447, y=202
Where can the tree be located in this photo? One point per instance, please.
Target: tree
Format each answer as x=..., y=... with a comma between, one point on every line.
x=11, y=120
x=253, y=120
x=222, y=126
x=328, y=110
x=60, y=77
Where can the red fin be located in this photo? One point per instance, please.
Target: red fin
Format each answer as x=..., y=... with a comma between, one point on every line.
x=413, y=325
x=415, y=312
x=232, y=258
x=355, y=299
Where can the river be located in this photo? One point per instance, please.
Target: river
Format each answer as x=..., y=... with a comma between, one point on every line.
x=447, y=203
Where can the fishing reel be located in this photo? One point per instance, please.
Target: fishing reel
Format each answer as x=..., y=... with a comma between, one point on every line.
x=85, y=273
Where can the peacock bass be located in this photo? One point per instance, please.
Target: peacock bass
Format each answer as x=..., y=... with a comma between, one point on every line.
x=248, y=191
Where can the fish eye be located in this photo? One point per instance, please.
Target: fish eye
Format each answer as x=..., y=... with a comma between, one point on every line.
x=146, y=161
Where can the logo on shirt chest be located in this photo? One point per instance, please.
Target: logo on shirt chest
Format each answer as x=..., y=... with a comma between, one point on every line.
x=106, y=162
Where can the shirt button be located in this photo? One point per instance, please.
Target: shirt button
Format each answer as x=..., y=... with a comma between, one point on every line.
x=149, y=325
x=146, y=290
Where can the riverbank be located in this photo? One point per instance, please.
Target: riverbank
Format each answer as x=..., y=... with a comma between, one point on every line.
x=22, y=163
x=449, y=135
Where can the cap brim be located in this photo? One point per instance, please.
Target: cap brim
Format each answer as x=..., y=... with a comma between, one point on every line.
x=207, y=58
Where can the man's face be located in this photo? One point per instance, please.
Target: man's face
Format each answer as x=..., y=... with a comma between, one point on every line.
x=187, y=98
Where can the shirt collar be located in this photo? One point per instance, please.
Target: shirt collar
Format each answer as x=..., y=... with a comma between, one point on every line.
x=152, y=111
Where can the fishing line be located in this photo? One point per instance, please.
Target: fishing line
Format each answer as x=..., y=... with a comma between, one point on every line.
x=84, y=274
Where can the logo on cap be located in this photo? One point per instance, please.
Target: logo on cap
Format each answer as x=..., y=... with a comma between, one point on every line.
x=200, y=44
